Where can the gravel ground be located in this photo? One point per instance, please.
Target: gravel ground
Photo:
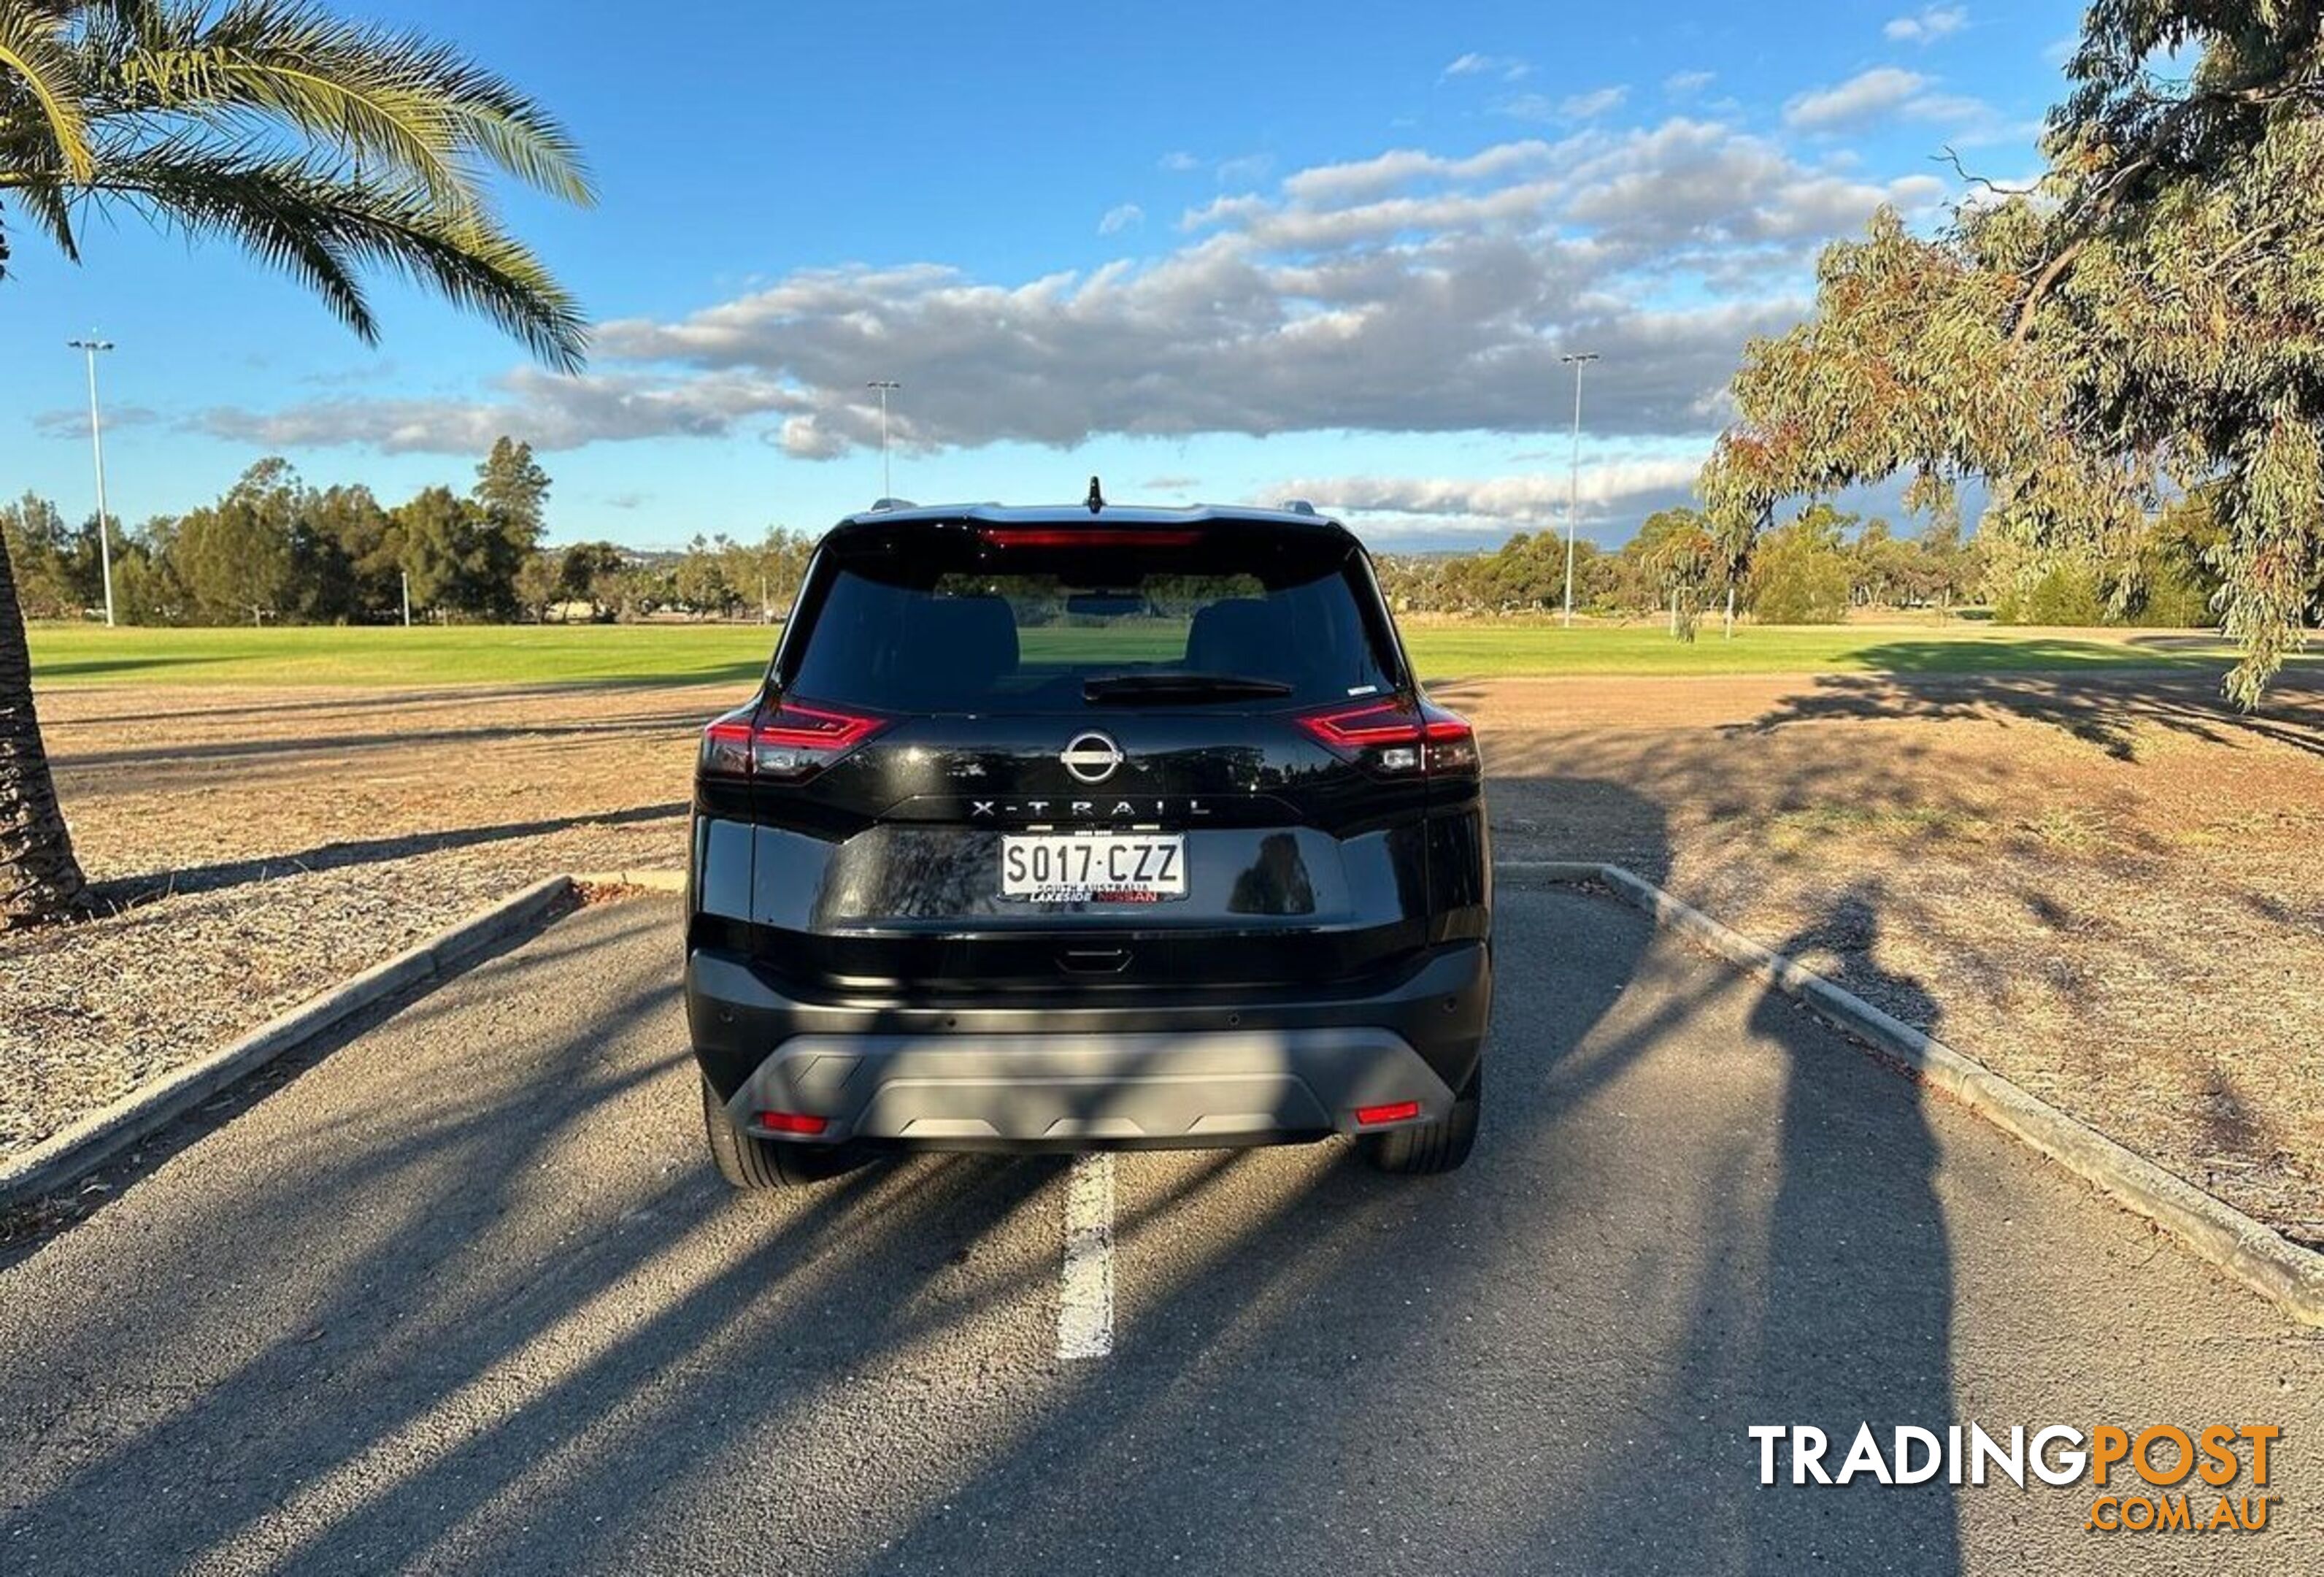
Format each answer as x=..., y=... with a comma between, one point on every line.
x=2102, y=886
x=256, y=849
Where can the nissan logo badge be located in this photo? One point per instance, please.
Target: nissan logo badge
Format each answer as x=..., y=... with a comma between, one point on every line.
x=1090, y=758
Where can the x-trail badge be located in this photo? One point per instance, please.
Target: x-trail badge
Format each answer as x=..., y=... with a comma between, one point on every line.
x=1090, y=758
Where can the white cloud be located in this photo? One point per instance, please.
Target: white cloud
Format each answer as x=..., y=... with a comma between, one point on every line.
x=1932, y=24
x=1584, y=107
x=1410, y=292
x=1496, y=502
x=1890, y=90
x=1865, y=96
x=1572, y=107
x=72, y=421
x=1178, y=162
x=548, y=411
x=1401, y=167
x=1507, y=68
x=1120, y=217
x=1686, y=84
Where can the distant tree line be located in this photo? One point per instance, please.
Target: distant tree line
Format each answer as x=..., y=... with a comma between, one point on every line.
x=1815, y=567
x=278, y=550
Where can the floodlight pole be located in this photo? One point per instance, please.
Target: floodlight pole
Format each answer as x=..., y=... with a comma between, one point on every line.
x=90, y=347
x=1577, y=361
x=885, y=385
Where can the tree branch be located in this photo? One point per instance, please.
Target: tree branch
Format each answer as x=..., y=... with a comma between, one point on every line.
x=2042, y=281
x=1953, y=159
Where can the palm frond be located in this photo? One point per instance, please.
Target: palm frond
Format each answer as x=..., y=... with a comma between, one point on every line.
x=277, y=210
x=480, y=266
x=47, y=203
x=384, y=97
x=323, y=148
x=37, y=62
x=322, y=226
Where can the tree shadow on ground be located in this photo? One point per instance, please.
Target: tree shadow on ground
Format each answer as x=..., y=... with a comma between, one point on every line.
x=395, y=702
x=89, y=668
x=130, y=891
x=2104, y=707
x=151, y=758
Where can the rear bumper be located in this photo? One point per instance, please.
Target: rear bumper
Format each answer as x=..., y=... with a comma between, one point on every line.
x=1148, y=1073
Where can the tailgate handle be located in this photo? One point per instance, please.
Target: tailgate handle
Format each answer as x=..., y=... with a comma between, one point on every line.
x=1093, y=960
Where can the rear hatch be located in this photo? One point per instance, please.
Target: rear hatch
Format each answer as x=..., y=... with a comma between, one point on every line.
x=1008, y=758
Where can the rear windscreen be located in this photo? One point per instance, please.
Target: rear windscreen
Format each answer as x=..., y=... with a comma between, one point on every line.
x=957, y=625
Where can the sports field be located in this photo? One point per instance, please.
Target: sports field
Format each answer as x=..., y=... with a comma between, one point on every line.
x=710, y=653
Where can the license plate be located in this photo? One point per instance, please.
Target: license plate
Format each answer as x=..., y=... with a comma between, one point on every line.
x=1077, y=868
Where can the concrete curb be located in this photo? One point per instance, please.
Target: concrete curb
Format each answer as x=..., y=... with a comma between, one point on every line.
x=656, y=880
x=64, y=1157
x=2286, y=1275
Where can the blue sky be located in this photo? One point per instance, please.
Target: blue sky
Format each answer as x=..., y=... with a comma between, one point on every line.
x=1210, y=252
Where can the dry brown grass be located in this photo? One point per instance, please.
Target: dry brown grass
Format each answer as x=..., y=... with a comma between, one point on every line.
x=2105, y=887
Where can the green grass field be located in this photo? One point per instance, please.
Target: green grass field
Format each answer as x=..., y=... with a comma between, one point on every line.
x=86, y=654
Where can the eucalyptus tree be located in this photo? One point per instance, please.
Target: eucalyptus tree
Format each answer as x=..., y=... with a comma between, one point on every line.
x=328, y=149
x=2147, y=319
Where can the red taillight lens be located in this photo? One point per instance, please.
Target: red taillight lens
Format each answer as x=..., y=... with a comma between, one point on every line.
x=793, y=726
x=1394, y=1111
x=1085, y=537
x=1388, y=738
x=788, y=744
x=1373, y=722
x=797, y=1122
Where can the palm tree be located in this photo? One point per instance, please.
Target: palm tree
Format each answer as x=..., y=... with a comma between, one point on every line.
x=326, y=148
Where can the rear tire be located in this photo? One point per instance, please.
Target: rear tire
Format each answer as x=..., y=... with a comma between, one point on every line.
x=747, y=1161
x=1427, y=1148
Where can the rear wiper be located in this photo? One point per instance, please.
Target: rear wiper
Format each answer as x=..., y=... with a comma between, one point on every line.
x=1165, y=688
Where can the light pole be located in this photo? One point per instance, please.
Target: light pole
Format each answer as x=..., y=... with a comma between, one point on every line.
x=885, y=385
x=1577, y=361
x=90, y=347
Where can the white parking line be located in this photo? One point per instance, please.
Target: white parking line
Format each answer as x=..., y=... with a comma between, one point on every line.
x=1085, y=1289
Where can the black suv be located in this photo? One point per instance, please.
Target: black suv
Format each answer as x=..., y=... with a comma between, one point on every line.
x=1081, y=827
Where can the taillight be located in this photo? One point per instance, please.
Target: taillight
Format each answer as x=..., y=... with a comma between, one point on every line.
x=1389, y=737
x=787, y=743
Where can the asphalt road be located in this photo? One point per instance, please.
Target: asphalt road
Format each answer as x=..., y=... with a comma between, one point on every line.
x=464, y=1296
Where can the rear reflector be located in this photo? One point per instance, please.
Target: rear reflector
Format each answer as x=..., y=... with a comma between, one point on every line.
x=797, y=1122
x=1394, y=1111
